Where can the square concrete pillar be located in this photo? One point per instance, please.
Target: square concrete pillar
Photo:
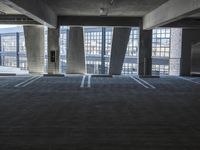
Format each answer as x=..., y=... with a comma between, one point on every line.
x=175, y=51
x=145, y=52
x=53, y=51
x=34, y=42
x=119, y=46
x=189, y=38
x=76, y=53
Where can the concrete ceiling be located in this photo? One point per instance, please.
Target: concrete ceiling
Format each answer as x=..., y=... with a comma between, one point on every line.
x=7, y=10
x=110, y=7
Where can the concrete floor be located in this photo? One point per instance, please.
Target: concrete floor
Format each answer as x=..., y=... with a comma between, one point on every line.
x=119, y=113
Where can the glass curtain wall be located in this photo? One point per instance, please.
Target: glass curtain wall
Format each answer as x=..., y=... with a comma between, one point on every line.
x=98, y=42
x=130, y=62
x=161, y=51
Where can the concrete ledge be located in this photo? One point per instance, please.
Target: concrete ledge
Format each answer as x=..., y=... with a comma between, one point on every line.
x=195, y=74
x=7, y=74
x=102, y=75
x=53, y=75
x=147, y=76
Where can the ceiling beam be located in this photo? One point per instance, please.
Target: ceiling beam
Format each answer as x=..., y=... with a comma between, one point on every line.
x=35, y=9
x=189, y=23
x=99, y=21
x=17, y=19
x=170, y=11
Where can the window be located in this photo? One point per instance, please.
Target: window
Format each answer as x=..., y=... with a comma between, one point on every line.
x=160, y=69
x=161, y=51
x=161, y=42
x=133, y=44
x=130, y=61
x=129, y=68
x=93, y=41
x=8, y=43
x=95, y=60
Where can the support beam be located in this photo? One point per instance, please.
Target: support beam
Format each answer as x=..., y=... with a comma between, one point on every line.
x=53, y=51
x=187, y=23
x=0, y=52
x=145, y=53
x=195, y=56
x=17, y=19
x=175, y=51
x=34, y=41
x=99, y=21
x=76, y=54
x=17, y=50
x=170, y=11
x=35, y=9
x=103, y=51
x=118, y=51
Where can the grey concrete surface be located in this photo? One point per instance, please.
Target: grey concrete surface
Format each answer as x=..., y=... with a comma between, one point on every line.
x=120, y=41
x=112, y=8
x=54, y=113
x=195, y=57
x=34, y=41
x=76, y=52
x=53, y=45
x=145, y=52
x=35, y=9
x=175, y=51
x=176, y=10
x=189, y=37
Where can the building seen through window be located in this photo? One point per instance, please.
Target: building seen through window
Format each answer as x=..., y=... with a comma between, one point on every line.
x=161, y=51
x=98, y=44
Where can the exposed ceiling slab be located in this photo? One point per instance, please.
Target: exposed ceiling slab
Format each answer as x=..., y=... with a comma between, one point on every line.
x=155, y=13
x=109, y=7
x=4, y=9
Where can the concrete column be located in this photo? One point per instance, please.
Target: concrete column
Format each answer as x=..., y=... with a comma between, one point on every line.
x=118, y=51
x=0, y=53
x=53, y=51
x=34, y=41
x=75, y=53
x=189, y=37
x=175, y=51
x=145, y=53
x=195, y=59
x=103, y=51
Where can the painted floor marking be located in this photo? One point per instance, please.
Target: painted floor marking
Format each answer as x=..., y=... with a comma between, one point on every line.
x=24, y=82
x=83, y=81
x=151, y=86
x=186, y=79
x=28, y=83
x=138, y=82
x=89, y=81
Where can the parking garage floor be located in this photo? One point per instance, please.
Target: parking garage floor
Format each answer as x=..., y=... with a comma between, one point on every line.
x=99, y=113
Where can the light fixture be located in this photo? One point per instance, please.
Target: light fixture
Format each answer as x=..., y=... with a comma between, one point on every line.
x=102, y=11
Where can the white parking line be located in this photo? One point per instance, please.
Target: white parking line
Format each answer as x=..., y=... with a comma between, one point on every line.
x=89, y=81
x=138, y=82
x=189, y=80
x=153, y=87
x=25, y=81
x=31, y=81
x=82, y=82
